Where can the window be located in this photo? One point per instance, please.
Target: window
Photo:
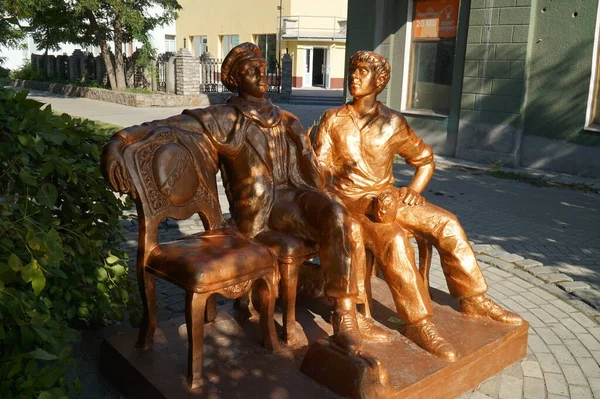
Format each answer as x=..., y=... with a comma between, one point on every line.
x=227, y=43
x=268, y=47
x=593, y=110
x=430, y=56
x=169, y=43
x=200, y=45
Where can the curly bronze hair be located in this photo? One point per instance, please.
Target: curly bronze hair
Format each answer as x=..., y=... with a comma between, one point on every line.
x=380, y=65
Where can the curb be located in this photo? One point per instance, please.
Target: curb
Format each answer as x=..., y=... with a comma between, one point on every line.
x=537, y=174
x=577, y=294
x=131, y=99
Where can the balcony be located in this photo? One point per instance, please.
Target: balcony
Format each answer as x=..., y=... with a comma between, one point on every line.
x=306, y=27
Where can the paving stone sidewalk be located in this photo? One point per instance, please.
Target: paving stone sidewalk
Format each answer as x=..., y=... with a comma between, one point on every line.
x=556, y=227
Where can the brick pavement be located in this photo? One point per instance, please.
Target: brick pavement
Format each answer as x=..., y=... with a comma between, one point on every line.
x=557, y=227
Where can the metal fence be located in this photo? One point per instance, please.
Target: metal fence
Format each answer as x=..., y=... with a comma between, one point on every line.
x=161, y=67
x=87, y=67
x=210, y=76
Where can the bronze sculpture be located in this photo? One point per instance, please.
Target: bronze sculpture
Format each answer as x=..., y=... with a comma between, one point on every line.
x=271, y=178
x=356, y=144
x=276, y=188
x=270, y=175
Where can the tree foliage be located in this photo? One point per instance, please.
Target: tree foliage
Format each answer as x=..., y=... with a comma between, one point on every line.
x=11, y=32
x=60, y=257
x=50, y=23
x=108, y=24
x=121, y=21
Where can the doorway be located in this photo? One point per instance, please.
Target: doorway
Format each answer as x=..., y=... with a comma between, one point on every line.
x=318, y=67
x=315, y=67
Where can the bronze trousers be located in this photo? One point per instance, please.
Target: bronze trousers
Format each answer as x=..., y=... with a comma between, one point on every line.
x=444, y=231
x=312, y=215
x=395, y=257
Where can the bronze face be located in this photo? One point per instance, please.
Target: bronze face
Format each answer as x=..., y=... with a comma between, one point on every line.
x=362, y=80
x=251, y=77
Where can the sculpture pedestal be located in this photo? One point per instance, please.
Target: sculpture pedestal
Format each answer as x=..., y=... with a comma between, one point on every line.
x=236, y=366
x=484, y=349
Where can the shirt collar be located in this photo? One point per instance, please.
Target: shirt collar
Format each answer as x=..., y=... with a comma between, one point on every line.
x=266, y=115
x=346, y=110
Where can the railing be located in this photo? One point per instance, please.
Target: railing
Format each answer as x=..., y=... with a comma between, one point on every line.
x=314, y=27
x=87, y=67
x=210, y=76
x=161, y=67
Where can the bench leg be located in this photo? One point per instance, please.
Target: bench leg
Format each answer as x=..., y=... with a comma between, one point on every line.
x=147, y=287
x=289, y=284
x=267, y=289
x=211, y=309
x=370, y=272
x=195, y=306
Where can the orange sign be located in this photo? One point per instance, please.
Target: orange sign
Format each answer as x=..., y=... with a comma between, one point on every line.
x=435, y=18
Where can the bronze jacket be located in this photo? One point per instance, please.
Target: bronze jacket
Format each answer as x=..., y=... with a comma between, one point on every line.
x=261, y=149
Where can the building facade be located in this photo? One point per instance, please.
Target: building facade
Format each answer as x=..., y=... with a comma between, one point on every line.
x=513, y=82
x=312, y=32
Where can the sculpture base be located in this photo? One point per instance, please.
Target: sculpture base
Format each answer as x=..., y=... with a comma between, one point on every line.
x=236, y=366
x=356, y=375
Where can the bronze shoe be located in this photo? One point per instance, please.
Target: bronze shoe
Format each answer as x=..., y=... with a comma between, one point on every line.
x=425, y=334
x=372, y=332
x=480, y=306
x=345, y=329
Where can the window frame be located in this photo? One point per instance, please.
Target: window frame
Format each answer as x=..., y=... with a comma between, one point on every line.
x=594, y=92
x=221, y=42
x=408, y=66
x=256, y=40
x=170, y=39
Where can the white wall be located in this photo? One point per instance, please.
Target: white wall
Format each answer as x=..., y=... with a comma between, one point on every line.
x=157, y=35
x=17, y=57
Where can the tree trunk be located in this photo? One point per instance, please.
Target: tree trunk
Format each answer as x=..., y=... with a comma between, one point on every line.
x=108, y=63
x=119, y=63
x=104, y=51
x=45, y=64
x=115, y=72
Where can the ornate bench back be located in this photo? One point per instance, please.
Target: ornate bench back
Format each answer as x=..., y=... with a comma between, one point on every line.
x=169, y=172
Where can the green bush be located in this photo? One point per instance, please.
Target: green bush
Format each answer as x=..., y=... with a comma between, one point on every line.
x=88, y=83
x=27, y=71
x=60, y=262
x=4, y=72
